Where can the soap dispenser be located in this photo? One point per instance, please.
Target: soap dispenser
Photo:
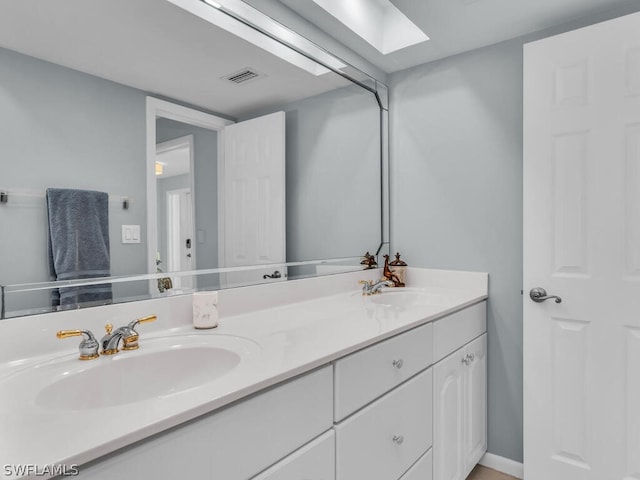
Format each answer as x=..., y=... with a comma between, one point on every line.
x=399, y=267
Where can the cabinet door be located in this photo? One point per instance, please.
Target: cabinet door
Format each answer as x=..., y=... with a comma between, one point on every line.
x=383, y=440
x=475, y=399
x=448, y=418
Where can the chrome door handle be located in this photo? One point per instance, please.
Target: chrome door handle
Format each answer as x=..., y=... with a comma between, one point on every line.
x=539, y=295
x=275, y=274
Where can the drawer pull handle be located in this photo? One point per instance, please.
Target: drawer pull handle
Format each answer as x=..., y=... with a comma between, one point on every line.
x=398, y=439
x=398, y=363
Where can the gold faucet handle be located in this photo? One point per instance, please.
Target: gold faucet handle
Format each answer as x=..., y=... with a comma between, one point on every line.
x=130, y=342
x=68, y=333
x=147, y=319
x=108, y=328
x=365, y=282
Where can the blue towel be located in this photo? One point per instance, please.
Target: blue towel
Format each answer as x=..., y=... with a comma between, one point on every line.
x=79, y=244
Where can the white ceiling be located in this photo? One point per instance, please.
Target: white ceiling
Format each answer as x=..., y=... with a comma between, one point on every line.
x=174, y=162
x=455, y=26
x=158, y=47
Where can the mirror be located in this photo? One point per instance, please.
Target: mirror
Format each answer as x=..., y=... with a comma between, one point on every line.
x=86, y=108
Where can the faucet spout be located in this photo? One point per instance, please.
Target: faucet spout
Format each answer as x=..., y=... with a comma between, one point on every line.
x=127, y=334
x=371, y=288
x=112, y=339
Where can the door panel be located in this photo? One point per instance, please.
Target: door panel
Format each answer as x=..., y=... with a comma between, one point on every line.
x=475, y=403
x=581, y=242
x=253, y=203
x=448, y=418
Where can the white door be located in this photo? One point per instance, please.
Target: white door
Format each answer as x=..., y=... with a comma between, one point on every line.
x=252, y=185
x=475, y=398
x=179, y=234
x=582, y=243
x=448, y=418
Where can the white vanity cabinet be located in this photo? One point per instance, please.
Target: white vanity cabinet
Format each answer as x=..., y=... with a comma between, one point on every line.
x=460, y=411
x=411, y=407
x=365, y=375
x=234, y=443
x=385, y=438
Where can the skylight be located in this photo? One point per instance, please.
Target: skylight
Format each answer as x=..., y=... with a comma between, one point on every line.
x=379, y=22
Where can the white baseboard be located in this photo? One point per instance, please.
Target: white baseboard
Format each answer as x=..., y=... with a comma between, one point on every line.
x=502, y=464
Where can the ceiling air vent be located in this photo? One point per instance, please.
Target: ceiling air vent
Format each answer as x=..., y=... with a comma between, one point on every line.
x=245, y=75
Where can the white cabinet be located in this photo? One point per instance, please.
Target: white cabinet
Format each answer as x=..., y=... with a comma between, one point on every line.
x=397, y=418
x=475, y=402
x=233, y=443
x=460, y=411
x=455, y=330
x=365, y=375
x=381, y=441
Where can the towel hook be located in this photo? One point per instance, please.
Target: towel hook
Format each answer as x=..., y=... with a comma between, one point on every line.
x=125, y=203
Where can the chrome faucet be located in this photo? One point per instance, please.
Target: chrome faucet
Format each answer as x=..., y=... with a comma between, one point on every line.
x=127, y=334
x=371, y=288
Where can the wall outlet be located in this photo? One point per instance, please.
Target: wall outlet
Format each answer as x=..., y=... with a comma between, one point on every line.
x=130, y=233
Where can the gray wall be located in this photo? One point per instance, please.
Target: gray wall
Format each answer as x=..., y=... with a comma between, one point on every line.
x=62, y=128
x=332, y=174
x=205, y=146
x=456, y=146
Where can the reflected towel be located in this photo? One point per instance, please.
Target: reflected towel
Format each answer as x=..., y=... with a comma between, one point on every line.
x=78, y=243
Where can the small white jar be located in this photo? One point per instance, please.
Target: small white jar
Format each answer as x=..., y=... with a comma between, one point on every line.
x=205, y=310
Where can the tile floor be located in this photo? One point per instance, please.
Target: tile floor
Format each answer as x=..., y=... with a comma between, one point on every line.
x=484, y=473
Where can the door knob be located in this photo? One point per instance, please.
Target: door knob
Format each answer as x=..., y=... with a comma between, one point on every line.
x=539, y=295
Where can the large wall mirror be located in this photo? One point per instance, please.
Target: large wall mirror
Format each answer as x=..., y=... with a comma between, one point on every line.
x=213, y=143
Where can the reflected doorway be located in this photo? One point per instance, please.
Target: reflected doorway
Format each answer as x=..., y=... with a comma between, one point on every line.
x=174, y=184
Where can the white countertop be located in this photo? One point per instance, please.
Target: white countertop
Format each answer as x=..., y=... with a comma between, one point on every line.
x=293, y=338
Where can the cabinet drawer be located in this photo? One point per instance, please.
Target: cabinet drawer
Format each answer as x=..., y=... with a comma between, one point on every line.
x=384, y=439
x=314, y=461
x=422, y=469
x=365, y=375
x=234, y=443
x=457, y=329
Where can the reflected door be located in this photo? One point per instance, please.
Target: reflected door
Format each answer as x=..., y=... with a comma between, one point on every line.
x=179, y=233
x=582, y=243
x=252, y=197
x=175, y=208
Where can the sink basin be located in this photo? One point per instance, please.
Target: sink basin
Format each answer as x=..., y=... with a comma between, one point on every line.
x=161, y=367
x=405, y=298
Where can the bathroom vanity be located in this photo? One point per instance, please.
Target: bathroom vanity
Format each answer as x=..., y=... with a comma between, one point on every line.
x=309, y=379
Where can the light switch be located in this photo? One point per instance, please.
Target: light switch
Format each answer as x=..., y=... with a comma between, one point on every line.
x=130, y=233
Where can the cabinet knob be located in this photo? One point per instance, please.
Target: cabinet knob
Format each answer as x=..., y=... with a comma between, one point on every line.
x=398, y=439
x=398, y=363
x=468, y=358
